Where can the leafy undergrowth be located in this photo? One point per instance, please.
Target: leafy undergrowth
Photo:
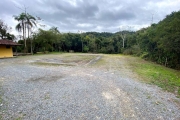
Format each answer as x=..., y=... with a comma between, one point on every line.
x=166, y=78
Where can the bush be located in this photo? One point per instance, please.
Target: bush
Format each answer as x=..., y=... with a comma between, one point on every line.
x=85, y=49
x=134, y=50
x=128, y=51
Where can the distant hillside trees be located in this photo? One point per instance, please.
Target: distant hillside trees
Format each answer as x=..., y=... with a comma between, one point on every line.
x=159, y=42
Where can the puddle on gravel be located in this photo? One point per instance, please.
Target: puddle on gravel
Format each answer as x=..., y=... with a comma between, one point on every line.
x=46, y=79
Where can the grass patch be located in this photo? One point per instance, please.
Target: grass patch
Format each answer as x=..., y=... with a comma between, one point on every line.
x=19, y=118
x=47, y=53
x=102, y=62
x=66, y=59
x=1, y=100
x=52, y=64
x=166, y=78
x=40, y=53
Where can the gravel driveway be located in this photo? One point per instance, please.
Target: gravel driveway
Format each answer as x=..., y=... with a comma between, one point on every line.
x=73, y=87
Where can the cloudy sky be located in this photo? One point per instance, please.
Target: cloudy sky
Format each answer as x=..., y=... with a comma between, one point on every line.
x=90, y=15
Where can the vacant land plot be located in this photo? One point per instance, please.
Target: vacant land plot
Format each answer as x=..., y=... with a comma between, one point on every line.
x=80, y=86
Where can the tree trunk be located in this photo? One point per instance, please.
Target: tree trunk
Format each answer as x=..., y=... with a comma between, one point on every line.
x=29, y=39
x=28, y=31
x=166, y=62
x=123, y=36
x=123, y=42
x=82, y=46
x=23, y=33
x=25, y=38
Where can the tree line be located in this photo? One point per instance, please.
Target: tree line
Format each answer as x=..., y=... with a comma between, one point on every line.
x=53, y=41
x=159, y=42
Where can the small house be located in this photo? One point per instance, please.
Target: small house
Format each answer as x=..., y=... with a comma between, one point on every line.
x=6, y=48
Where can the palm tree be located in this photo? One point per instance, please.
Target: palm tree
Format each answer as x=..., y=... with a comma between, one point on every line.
x=21, y=25
x=31, y=22
x=26, y=21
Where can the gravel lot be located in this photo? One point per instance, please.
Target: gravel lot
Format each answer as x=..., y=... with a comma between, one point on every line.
x=73, y=87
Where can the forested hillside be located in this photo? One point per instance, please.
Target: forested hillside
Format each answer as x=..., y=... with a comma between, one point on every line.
x=159, y=42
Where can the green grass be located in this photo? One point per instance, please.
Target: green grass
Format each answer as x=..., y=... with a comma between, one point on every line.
x=166, y=78
x=49, y=53
x=66, y=59
x=51, y=64
x=19, y=118
x=1, y=100
x=100, y=62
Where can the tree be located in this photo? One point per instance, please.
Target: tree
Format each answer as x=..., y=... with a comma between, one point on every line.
x=80, y=32
x=30, y=22
x=54, y=30
x=25, y=21
x=160, y=42
x=4, y=31
x=123, y=36
x=21, y=26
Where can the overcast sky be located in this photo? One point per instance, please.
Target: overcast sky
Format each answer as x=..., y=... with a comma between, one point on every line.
x=90, y=15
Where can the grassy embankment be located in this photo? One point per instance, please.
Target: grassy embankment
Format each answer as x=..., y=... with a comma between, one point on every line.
x=166, y=78
x=148, y=72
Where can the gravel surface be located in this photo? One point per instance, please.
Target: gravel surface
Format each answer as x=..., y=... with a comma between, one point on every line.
x=82, y=91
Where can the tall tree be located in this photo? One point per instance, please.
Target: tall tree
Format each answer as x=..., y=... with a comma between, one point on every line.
x=5, y=31
x=30, y=22
x=21, y=26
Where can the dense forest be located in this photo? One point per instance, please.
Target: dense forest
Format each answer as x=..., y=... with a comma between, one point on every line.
x=159, y=42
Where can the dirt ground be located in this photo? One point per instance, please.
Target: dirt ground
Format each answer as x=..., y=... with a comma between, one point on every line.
x=79, y=86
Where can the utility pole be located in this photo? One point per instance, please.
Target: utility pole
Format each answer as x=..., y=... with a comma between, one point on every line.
x=152, y=18
x=32, y=33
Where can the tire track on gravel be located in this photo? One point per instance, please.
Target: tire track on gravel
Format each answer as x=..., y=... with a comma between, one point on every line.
x=94, y=60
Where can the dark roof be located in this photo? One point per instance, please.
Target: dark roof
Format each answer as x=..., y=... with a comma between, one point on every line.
x=8, y=42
